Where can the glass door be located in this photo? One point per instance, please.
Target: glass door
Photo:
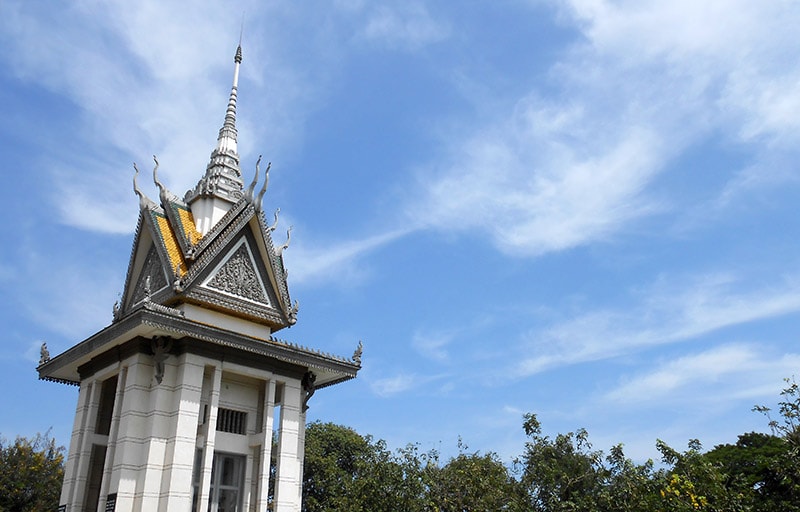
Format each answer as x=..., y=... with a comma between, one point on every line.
x=227, y=482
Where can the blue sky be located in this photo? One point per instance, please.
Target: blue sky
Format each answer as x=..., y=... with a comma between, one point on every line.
x=584, y=209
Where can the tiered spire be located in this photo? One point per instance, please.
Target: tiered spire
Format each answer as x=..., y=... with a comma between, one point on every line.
x=223, y=178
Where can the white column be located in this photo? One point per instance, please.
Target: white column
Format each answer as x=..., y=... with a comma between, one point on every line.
x=112, y=438
x=176, y=482
x=287, y=480
x=155, y=447
x=211, y=435
x=128, y=463
x=81, y=473
x=301, y=453
x=266, y=446
x=75, y=444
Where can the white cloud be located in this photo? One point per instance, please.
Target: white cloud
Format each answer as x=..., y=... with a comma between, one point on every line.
x=334, y=262
x=668, y=313
x=153, y=78
x=646, y=82
x=433, y=344
x=393, y=385
x=532, y=204
x=407, y=25
x=744, y=371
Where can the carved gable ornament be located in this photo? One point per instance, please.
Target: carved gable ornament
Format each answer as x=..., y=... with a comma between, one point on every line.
x=151, y=276
x=237, y=275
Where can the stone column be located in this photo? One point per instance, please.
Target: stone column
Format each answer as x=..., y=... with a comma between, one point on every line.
x=87, y=429
x=210, y=438
x=266, y=446
x=176, y=483
x=130, y=435
x=111, y=447
x=75, y=446
x=287, y=480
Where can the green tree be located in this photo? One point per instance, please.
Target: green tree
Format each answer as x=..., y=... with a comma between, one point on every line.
x=335, y=458
x=750, y=468
x=471, y=482
x=628, y=487
x=695, y=483
x=31, y=473
x=560, y=474
x=347, y=472
x=785, y=494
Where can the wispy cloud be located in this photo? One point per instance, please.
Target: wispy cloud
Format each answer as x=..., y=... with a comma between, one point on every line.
x=433, y=344
x=407, y=25
x=745, y=371
x=647, y=81
x=338, y=261
x=531, y=202
x=146, y=83
x=400, y=383
x=668, y=313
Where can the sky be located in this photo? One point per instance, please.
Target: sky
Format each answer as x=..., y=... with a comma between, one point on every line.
x=582, y=209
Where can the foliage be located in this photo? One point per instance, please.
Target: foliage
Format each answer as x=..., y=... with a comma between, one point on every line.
x=696, y=483
x=345, y=471
x=784, y=490
x=31, y=472
x=750, y=468
x=561, y=474
x=474, y=482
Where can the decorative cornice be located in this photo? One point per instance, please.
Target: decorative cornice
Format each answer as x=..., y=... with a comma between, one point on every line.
x=175, y=326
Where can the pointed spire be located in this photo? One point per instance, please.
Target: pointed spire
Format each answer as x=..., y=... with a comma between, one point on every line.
x=223, y=178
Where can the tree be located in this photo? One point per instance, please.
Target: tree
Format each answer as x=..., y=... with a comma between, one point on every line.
x=560, y=474
x=31, y=473
x=628, y=487
x=785, y=495
x=471, y=482
x=335, y=458
x=344, y=471
x=695, y=483
x=750, y=468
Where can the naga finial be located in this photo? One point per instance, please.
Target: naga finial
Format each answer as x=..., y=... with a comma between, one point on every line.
x=286, y=243
x=136, y=190
x=249, y=193
x=44, y=354
x=263, y=187
x=275, y=224
x=358, y=352
x=161, y=190
x=116, y=311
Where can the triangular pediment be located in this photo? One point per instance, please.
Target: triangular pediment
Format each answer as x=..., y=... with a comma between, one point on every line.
x=239, y=276
x=238, y=271
x=151, y=278
x=150, y=268
x=234, y=268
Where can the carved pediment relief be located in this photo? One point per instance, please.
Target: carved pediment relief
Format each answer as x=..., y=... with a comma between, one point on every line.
x=238, y=276
x=151, y=275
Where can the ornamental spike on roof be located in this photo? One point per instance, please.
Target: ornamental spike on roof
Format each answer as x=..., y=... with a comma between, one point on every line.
x=223, y=178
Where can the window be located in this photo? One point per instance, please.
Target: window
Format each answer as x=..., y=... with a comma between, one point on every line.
x=234, y=422
x=197, y=470
x=105, y=409
x=227, y=481
x=97, y=460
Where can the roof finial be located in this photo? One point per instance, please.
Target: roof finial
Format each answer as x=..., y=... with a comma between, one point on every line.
x=241, y=30
x=223, y=179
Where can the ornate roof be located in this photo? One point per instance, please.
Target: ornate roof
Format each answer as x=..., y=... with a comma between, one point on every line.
x=234, y=268
x=223, y=286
